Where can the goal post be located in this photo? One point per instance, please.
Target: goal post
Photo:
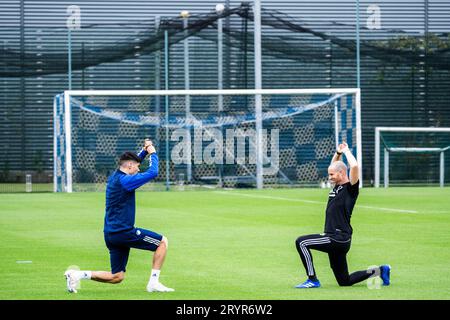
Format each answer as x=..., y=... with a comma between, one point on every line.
x=417, y=140
x=301, y=130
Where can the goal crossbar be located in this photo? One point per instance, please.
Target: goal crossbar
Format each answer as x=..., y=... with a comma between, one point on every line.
x=417, y=149
x=212, y=92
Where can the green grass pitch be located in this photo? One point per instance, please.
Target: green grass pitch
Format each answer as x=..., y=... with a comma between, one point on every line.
x=236, y=244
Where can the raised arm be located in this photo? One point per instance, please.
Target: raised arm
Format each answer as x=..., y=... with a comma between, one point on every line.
x=337, y=155
x=143, y=153
x=132, y=182
x=354, y=169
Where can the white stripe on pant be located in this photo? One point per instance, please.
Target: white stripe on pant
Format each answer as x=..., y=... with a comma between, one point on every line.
x=303, y=246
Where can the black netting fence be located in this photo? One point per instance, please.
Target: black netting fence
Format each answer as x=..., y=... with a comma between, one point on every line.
x=405, y=68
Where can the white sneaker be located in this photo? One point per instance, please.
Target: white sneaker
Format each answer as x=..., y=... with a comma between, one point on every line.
x=72, y=280
x=158, y=287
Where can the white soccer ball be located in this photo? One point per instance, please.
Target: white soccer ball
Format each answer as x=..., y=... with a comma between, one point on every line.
x=219, y=8
x=184, y=14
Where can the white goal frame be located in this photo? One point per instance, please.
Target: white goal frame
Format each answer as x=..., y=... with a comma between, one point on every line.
x=378, y=131
x=214, y=92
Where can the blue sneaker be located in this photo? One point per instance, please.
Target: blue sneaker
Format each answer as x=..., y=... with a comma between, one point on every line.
x=308, y=284
x=385, y=274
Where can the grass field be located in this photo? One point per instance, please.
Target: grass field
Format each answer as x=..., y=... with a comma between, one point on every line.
x=227, y=244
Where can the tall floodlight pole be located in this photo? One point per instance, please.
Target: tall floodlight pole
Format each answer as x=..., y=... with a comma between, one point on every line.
x=358, y=95
x=73, y=22
x=69, y=58
x=185, y=15
x=227, y=47
x=157, y=80
x=166, y=104
x=219, y=10
x=258, y=97
x=358, y=66
x=157, y=67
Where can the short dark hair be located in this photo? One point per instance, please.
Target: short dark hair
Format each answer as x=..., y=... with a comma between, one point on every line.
x=129, y=156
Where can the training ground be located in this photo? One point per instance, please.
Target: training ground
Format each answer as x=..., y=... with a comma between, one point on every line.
x=227, y=244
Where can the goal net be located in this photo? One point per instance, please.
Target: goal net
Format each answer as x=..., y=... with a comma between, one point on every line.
x=411, y=156
x=212, y=138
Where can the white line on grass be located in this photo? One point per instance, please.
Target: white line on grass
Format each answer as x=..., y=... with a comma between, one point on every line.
x=389, y=209
x=310, y=201
x=268, y=197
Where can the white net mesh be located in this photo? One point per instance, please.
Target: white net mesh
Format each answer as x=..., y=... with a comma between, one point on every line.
x=299, y=137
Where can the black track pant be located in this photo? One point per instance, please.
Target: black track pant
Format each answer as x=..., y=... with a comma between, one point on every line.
x=337, y=253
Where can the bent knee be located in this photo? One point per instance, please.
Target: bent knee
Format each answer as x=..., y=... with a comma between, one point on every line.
x=299, y=241
x=165, y=242
x=118, y=277
x=344, y=282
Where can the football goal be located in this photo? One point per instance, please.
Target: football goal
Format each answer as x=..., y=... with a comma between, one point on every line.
x=211, y=138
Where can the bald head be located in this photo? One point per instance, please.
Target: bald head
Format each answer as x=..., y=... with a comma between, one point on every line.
x=337, y=172
x=338, y=166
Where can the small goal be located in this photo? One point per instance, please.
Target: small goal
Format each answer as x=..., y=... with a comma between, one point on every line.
x=411, y=156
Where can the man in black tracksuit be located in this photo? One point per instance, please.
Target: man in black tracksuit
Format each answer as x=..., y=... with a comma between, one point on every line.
x=337, y=235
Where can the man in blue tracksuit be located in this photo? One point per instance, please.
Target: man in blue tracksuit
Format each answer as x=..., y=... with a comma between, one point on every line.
x=119, y=230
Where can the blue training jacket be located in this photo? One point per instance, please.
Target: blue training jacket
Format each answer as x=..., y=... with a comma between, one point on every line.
x=120, y=196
